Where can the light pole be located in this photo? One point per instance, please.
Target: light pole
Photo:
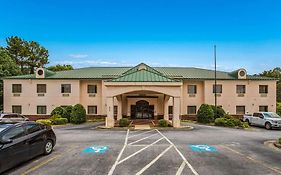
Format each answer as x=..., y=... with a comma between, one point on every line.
x=215, y=59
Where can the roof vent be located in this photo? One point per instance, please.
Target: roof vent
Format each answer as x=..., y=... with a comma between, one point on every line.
x=40, y=73
x=242, y=74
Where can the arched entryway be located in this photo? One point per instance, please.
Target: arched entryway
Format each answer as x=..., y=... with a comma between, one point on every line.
x=142, y=110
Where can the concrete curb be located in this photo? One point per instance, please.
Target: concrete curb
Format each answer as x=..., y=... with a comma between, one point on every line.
x=273, y=144
x=182, y=128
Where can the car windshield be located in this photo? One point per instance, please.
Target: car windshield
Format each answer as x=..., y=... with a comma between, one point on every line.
x=271, y=115
x=4, y=126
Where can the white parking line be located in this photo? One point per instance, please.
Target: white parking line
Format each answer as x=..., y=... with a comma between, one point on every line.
x=120, y=154
x=141, y=133
x=139, y=151
x=181, y=168
x=142, y=139
x=154, y=160
x=184, y=159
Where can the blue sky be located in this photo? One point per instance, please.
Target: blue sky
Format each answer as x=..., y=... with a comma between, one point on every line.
x=157, y=32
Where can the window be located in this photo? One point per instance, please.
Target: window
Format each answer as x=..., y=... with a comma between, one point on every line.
x=41, y=109
x=115, y=110
x=263, y=89
x=217, y=89
x=41, y=88
x=240, y=110
x=191, y=110
x=170, y=110
x=92, y=88
x=14, y=133
x=240, y=89
x=16, y=109
x=16, y=88
x=263, y=108
x=92, y=109
x=31, y=128
x=66, y=88
x=192, y=89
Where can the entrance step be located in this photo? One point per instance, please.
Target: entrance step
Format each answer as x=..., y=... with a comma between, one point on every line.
x=142, y=127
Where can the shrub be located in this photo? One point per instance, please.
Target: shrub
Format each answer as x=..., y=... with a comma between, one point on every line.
x=78, y=114
x=53, y=117
x=44, y=121
x=124, y=122
x=163, y=123
x=218, y=111
x=57, y=111
x=279, y=140
x=67, y=112
x=59, y=121
x=278, y=108
x=220, y=121
x=205, y=114
x=229, y=121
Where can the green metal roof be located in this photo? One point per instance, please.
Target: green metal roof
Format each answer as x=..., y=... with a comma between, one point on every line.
x=118, y=73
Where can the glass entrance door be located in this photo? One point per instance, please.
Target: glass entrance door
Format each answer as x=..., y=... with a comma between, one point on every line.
x=143, y=110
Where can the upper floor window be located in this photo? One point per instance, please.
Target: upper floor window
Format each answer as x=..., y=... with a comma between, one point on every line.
x=16, y=109
x=263, y=89
x=16, y=88
x=41, y=88
x=92, y=109
x=66, y=88
x=240, y=89
x=192, y=89
x=41, y=109
x=217, y=88
x=92, y=88
x=191, y=110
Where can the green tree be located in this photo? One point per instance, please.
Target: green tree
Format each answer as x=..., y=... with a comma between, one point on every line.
x=8, y=67
x=59, y=67
x=205, y=114
x=274, y=73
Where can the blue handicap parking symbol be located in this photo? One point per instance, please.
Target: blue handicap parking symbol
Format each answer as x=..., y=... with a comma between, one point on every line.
x=202, y=148
x=96, y=149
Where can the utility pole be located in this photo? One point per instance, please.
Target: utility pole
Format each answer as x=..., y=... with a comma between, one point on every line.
x=215, y=59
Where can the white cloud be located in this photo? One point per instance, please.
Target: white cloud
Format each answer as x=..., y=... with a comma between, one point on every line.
x=78, y=55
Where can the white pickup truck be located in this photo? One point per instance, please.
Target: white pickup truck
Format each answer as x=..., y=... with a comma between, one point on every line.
x=267, y=119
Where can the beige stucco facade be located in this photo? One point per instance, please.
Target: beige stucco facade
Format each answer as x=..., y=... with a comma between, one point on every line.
x=125, y=95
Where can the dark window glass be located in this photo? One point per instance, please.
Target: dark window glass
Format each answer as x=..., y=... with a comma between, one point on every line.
x=170, y=110
x=14, y=133
x=66, y=88
x=263, y=108
x=92, y=88
x=41, y=109
x=16, y=109
x=41, y=88
x=240, y=110
x=191, y=110
x=16, y=88
x=263, y=89
x=31, y=128
x=115, y=110
x=192, y=89
x=240, y=89
x=217, y=89
x=92, y=109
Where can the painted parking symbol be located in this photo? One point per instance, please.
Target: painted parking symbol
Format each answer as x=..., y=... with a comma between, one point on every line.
x=95, y=149
x=202, y=148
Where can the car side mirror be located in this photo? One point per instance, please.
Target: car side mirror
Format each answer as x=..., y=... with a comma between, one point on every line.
x=6, y=141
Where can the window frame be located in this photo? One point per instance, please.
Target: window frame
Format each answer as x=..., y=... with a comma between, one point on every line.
x=189, y=91
x=14, y=106
x=16, y=89
x=243, y=89
x=63, y=89
x=95, y=89
x=42, y=106
x=215, y=89
x=265, y=106
x=188, y=111
x=44, y=89
x=266, y=89
x=95, y=112
x=240, y=106
x=170, y=110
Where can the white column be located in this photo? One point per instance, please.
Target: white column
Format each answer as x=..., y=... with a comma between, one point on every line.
x=176, y=112
x=166, y=107
x=109, y=122
x=119, y=110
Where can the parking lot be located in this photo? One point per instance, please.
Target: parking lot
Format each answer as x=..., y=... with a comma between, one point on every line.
x=84, y=149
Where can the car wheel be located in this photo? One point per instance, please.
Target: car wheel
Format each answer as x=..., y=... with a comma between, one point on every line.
x=48, y=148
x=267, y=125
